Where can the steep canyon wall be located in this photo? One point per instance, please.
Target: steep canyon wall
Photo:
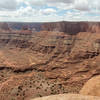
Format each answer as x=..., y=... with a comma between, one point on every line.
x=72, y=27
x=51, y=61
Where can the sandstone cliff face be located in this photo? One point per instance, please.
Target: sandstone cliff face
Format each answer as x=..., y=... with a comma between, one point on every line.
x=68, y=97
x=44, y=63
x=72, y=27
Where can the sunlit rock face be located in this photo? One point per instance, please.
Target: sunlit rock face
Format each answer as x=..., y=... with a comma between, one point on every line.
x=92, y=87
x=68, y=97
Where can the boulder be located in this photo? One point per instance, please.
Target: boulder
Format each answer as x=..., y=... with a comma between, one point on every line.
x=92, y=87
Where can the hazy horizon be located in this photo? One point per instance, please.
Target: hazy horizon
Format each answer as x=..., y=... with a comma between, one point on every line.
x=46, y=21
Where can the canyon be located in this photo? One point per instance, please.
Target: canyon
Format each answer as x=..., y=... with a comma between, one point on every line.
x=54, y=58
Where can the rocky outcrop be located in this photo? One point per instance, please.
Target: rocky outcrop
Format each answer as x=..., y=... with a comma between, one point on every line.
x=72, y=27
x=28, y=86
x=68, y=97
x=92, y=87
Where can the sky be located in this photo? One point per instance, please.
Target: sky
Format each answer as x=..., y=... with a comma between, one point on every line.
x=49, y=10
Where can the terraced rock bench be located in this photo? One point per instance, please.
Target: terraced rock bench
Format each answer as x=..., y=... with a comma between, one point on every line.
x=68, y=97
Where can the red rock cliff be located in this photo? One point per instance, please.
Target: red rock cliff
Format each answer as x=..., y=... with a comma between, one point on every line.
x=72, y=27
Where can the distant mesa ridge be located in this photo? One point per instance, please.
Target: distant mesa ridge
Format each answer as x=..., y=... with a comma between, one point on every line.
x=64, y=26
x=4, y=26
x=72, y=27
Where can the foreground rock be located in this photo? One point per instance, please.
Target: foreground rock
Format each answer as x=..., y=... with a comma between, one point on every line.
x=27, y=86
x=68, y=97
x=92, y=87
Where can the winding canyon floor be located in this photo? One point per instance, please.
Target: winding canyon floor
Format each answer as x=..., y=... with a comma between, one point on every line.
x=46, y=63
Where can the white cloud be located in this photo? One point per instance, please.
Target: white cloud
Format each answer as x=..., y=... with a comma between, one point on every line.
x=60, y=1
x=35, y=2
x=28, y=11
x=8, y=4
x=47, y=11
x=82, y=5
x=44, y=10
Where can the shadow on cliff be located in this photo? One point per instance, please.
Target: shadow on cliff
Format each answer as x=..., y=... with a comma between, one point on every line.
x=72, y=28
